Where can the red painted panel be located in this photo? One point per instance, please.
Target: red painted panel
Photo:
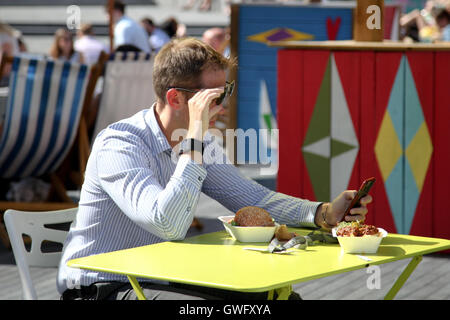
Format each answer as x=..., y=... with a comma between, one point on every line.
x=289, y=117
x=367, y=137
x=315, y=64
x=441, y=143
x=386, y=66
x=389, y=15
x=348, y=66
x=421, y=65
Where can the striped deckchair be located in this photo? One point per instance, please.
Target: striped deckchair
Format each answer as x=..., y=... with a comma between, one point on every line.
x=127, y=87
x=43, y=119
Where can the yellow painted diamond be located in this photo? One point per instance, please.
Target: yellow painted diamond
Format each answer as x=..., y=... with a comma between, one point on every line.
x=388, y=149
x=280, y=34
x=419, y=153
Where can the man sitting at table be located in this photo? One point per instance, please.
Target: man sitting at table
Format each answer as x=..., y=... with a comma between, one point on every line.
x=136, y=192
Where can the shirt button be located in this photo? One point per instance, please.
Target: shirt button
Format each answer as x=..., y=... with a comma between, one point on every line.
x=200, y=179
x=188, y=209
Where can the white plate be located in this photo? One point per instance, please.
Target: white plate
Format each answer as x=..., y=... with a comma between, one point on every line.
x=364, y=244
x=248, y=234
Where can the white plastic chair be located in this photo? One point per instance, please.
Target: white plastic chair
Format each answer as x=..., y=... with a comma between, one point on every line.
x=36, y=226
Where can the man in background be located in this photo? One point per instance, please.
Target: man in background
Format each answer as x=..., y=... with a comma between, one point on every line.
x=218, y=39
x=88, y=45
x=127, y=32
x=157, y=37
x=443, y=22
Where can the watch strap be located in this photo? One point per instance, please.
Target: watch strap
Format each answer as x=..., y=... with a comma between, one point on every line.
x=188, y=145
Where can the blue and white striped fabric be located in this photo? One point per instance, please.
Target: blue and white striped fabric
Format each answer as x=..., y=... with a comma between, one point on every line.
x=127, y=87
x=43, y=112
x=134, y=194
x=129, y=56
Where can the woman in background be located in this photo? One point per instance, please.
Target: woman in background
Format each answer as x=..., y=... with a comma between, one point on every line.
x=8, y=47
x=63, y=48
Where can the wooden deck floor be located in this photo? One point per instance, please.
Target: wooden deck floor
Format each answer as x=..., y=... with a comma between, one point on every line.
x=430, y=280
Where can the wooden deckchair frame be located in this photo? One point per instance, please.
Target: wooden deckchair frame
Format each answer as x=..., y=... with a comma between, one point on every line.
x=81, y=146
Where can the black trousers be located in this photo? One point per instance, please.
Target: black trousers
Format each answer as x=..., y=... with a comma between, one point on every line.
x=172, y=291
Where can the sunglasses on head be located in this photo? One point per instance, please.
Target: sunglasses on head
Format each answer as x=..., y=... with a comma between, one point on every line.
x=229, y=87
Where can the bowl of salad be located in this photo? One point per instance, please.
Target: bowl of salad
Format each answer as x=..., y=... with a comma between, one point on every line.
x=357, y=237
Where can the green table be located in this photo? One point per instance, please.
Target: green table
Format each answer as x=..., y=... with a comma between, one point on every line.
x=216, y=260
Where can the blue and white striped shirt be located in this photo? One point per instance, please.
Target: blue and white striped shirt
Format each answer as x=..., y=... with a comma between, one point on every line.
x=134, y=194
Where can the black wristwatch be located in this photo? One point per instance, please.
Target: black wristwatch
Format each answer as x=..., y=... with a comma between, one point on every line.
x=191, y=145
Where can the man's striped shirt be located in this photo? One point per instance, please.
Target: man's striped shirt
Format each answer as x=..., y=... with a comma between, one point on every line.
x=135, y=193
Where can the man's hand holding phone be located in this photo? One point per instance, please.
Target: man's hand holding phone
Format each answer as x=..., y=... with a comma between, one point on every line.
x=350, y=205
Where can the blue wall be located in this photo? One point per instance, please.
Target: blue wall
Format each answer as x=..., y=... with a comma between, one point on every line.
x=258, y=61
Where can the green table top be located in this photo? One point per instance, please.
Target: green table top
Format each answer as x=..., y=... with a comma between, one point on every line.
x=216, y=260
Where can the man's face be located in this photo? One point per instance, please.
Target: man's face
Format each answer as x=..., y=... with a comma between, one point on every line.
x=147, y=27
x=116, y=15
x=213, y=79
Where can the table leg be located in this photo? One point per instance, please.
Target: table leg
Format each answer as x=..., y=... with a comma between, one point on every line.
x=282, y=293
x=403, y=277
x=137, y=288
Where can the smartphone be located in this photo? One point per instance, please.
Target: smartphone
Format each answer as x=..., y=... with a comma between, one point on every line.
x=362, y=192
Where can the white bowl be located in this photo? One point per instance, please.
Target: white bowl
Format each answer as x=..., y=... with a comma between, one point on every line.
x=364, y=244
x=248, y=234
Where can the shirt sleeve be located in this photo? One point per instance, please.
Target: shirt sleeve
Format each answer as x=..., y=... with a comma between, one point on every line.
x=228, y=186
x=124, y=173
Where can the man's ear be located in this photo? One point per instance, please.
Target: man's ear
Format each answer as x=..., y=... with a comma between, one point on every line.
x=174, y=98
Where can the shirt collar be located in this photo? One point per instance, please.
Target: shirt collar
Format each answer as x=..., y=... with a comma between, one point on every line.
x=122, y=18
x=159, y=143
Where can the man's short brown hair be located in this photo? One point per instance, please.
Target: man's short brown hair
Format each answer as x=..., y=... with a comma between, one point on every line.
x=181, y=62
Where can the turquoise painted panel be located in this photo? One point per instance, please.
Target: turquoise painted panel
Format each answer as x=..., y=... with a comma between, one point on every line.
x=394, y=190
x=397, y=101
x=411, y=198
x=408, y=5
x=413, y=109
x=394, y=183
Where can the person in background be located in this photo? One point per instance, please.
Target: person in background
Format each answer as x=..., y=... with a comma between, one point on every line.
x=63, y=48
x=22, y=44
x=443, y=22
x=8, y=40
x=170, y=26
x=421, y=25
x=127, y=32
x=157, y=37
x=88, y=45
x=181, y=30
x=218, y=39
x=9, y=47
x=173, y=28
